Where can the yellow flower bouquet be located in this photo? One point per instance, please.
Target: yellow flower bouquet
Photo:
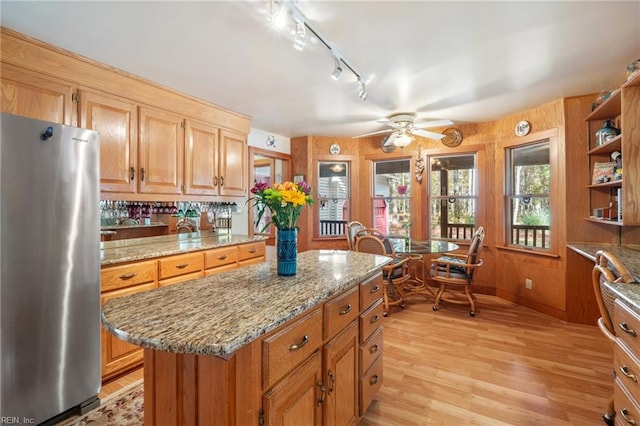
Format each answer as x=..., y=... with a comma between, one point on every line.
x=284, y=200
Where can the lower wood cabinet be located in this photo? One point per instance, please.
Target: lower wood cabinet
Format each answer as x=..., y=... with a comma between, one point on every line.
x=626, y=362
x=180, y=268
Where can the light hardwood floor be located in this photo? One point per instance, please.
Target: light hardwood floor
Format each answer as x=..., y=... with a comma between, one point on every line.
x=507, y=366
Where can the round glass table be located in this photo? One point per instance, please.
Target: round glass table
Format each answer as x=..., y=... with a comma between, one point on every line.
x=419, y=269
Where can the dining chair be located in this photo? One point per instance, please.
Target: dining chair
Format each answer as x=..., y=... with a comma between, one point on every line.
x=394, y=274
x=352, y=229
x=456, y=271
x=608, y=268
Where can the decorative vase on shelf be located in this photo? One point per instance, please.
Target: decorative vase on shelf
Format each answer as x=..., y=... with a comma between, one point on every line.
x=606, y=132
x=287, y=251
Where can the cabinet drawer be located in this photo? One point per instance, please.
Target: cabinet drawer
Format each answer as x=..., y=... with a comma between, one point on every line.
x=220, y=257
x=180, y=265
x=340, y=311
x=251, y=250
x=625, y=319
x=627, y=369
x=370, y=291
x=123, y=276
x=289, y=346
x=626, y=409
x=370, y=350
x=370, y=320
x=370, y=384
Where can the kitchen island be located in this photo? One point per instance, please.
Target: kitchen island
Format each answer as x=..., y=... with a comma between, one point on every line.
x=249, y=345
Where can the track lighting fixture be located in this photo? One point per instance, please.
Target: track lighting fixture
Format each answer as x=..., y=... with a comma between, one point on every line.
x=277, y=11
x=301, y=36
x=337, y=70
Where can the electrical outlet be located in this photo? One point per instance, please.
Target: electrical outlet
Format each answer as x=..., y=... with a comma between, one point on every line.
x=528, y=283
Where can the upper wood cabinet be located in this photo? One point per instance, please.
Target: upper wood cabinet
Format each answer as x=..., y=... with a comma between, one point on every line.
x=161, y=151
x=201, y=147
x=232, y=167
x=30, y=94
x=116, y=120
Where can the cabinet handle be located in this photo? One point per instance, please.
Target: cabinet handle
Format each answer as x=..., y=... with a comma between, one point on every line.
x=304, y=341
x=133, y=173
x=346, y=309
x=221, y=181
x=252, y=250
x=624, y=327
x=215, y=181
x=182, y=265
x=374, y=379
x=374, y=289
x=222, y=257
x=626, y=373
x=142, y=174
x=373, y=349
x=323, y=389
x=127, y=276
x=332, y=379
x=625, y=415
x=374, y=318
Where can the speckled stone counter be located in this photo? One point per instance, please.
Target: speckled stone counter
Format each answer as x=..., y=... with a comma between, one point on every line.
x=218, y=315
x=630, y=258
x=120, y=251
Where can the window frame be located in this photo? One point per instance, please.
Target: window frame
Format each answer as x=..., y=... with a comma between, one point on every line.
x=475, y=197
x=407, y=196
x=349, y=160
x=503, y=210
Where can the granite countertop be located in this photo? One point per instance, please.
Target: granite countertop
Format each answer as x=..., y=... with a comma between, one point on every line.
x=630, y=258
x=119, y=251
x=217, y=315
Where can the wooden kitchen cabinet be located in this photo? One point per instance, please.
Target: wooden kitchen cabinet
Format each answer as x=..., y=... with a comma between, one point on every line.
x=341, y=377
x=626, y=363
x=30, y=94
x=232, y=165
x=201, y=157
x=161, y=153
x=119, y=356
x=116, y=119
x=180, y=268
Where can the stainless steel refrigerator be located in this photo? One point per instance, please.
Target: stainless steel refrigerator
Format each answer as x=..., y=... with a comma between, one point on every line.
x=50, y=269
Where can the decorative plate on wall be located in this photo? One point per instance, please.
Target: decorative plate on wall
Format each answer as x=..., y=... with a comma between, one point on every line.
x=522, y=128
x=334, y=149
x=452, y=137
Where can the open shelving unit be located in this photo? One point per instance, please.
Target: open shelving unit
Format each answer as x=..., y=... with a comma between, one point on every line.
x=622, y=107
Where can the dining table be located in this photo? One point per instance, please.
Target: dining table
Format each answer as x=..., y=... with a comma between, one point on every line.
x=418, y=251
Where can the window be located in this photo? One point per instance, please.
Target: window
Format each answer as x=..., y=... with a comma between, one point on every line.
x=527, y=200
x=333, y=198
x=452, y=196
x=392, y=195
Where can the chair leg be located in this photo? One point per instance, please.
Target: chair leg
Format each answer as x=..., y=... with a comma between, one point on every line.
x=436, y=304
x=472, y=300
x=609, y=416
x=385, y=299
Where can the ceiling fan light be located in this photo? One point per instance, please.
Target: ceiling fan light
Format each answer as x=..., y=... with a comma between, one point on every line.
x=402, y=140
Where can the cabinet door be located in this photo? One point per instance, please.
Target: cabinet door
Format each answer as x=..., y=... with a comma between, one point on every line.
x=117, y=121
x=294, y=401
x=33, y=95
x=201, y=145
x=232, y=165
x=341, y=377
x=118, y=355
x=161, y=152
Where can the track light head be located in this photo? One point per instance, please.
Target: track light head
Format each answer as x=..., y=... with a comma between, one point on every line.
x=300, y=39
x=337, y=70
x=362, y=90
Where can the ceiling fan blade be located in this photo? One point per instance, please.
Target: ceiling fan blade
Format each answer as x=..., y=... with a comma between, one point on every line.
x=427, y=134
x=379, y=132
x=435, y=123
x=389, y=140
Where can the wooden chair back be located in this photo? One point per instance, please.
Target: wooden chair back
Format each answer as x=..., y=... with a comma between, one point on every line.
x=352, y=229
x=607, y=268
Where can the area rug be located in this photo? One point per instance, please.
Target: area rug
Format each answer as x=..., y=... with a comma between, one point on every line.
x=123, y=408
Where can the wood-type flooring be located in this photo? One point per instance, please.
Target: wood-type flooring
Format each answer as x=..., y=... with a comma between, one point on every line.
x=509, y=365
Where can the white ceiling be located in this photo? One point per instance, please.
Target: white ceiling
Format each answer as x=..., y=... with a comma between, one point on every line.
x=465, y=61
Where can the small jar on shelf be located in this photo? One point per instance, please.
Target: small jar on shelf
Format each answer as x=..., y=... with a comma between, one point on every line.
x=606, y=133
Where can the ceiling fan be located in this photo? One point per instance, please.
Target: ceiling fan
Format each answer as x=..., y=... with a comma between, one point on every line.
x=403, y=125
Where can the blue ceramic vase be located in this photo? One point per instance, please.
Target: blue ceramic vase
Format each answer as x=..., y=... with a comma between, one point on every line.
x=287, y=252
